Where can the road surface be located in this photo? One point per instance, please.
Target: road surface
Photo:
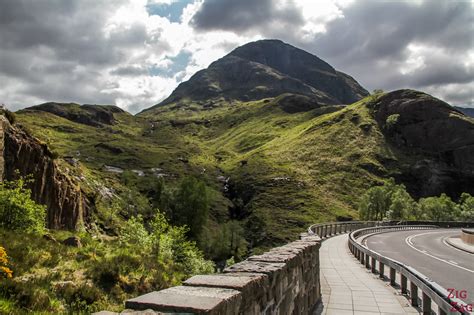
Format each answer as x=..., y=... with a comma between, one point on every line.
x=428, y=252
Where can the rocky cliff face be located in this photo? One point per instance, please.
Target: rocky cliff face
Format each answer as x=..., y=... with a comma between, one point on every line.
x=268, y=68
x=24, y=155
x=419, y=124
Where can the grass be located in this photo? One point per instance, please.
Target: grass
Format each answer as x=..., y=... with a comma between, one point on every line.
x=297, y=168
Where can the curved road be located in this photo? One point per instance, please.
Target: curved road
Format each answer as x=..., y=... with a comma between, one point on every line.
x=427, y=252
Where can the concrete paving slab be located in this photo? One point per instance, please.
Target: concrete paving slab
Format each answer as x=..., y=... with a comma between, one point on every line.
x=347, y=283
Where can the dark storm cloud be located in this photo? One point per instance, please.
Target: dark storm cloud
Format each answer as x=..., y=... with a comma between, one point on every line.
x=58, y=49
x=129, y=71
x=380, y=29
x=244, y=15
x=372, y=42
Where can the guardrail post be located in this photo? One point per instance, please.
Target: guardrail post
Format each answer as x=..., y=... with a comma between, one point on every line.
x=362, y=258
x=392, y=276
x=403, y=284
x=373, y=265
x=381, y=269
x=426, y=304
x=441, y=311
x=367, y=261
x=413, y=294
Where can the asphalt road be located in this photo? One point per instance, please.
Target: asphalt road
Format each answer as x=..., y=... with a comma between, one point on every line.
x=426, y=251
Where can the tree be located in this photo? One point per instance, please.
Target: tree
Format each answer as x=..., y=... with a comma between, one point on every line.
x=18, y=211
x=466, y=207
x=440, y=208
x=191, y=205
x=376, y=202
x=402, y=205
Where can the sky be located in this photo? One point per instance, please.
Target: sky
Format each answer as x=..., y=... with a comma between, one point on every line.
x=133, y=53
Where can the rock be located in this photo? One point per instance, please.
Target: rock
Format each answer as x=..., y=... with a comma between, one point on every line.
x=71, y=160
x=417, y=123
x=139, y=173
x=24, y=155
x=73, y=241
x=294, y=103
x=110, y=148
x=50, y=238
x=113, y=169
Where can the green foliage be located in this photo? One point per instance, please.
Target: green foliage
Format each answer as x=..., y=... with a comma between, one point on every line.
x=377, y=202
x=190, y=205
x=392, y=202
x=391, y=121
x=440, y=208
x=164, y=242
x=51, y=277
x=17, y=210
x=466, y=205
x=226, y=241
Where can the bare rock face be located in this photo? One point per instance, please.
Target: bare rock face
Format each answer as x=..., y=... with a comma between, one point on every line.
x=68, y=206
x=421, y=125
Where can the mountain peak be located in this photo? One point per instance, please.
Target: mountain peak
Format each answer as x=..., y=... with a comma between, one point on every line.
x=268, y=68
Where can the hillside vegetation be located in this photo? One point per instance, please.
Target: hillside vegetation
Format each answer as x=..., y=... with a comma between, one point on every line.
x=272, y=170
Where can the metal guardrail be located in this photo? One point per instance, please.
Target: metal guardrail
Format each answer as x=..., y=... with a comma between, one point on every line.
x=324, y=230
x=430, y=290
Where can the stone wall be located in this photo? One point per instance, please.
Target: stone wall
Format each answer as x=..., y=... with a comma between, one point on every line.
x=284, y=280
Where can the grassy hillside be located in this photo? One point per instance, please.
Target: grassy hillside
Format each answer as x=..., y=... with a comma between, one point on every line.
x=275, y=170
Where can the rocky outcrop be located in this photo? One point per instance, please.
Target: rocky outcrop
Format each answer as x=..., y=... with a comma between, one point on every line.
x=268, y=68
x=92, y=115
x=421, y=125
x=68, y=206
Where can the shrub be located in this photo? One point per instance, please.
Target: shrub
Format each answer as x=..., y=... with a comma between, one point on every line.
x=5, y=272
x=18, y=211
x=391, y=121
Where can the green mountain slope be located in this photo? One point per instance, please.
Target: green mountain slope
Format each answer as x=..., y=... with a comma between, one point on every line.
x=276, y=171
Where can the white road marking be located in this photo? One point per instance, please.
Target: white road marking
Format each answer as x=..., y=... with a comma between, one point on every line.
x=445, y=242
x=409, y=242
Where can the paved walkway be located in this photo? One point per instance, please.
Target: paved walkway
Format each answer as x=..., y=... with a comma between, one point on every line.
x=349, y=288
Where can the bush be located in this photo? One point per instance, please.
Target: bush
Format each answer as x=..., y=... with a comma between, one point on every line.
x=440, y=208
x=18, y=211
x=392, y=121
x=5, y=272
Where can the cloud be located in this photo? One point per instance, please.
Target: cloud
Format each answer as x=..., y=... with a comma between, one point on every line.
x=245, y=15
x=133, y=53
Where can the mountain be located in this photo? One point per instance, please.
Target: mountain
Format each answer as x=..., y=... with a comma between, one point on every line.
x=266, y=130
x=267, y=68
x=467, y=111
